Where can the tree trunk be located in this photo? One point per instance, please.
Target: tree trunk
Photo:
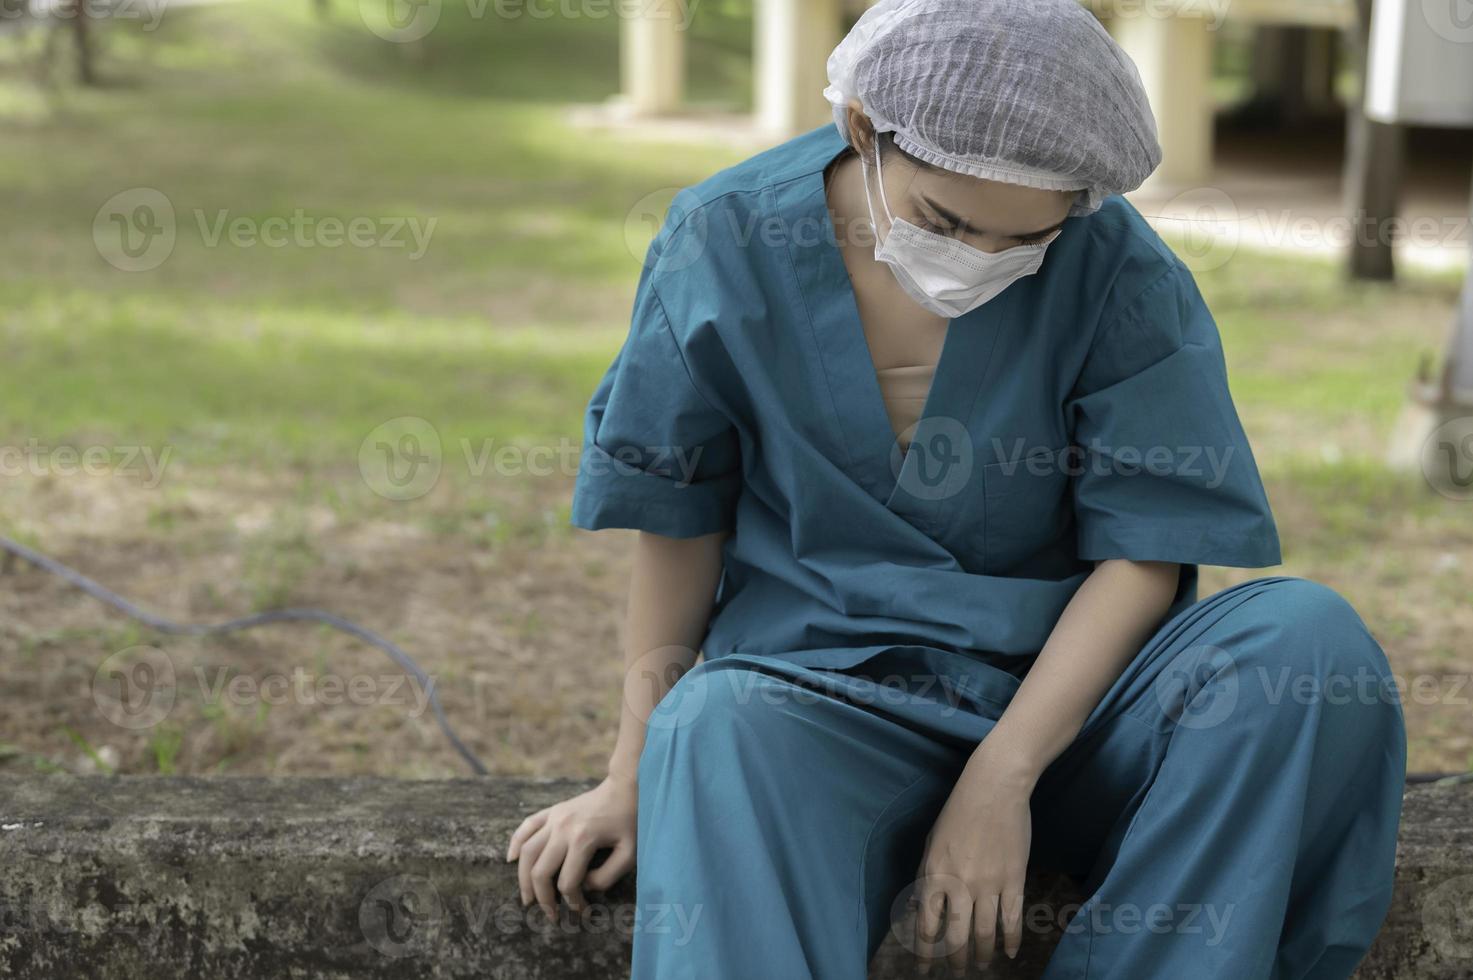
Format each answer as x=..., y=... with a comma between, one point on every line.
x=1460, y=348
x=82, y=38
x=1373, y=171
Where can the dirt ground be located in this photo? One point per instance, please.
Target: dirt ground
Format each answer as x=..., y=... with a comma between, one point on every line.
x=520, y=637
x=519, y=630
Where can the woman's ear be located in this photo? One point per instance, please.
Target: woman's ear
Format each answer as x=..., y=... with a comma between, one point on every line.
x=861, y=130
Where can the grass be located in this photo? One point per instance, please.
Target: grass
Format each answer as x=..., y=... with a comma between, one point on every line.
x=525, y=277
x=257, y=375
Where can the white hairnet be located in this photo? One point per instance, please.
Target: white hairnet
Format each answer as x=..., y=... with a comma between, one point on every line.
x=1030, y=92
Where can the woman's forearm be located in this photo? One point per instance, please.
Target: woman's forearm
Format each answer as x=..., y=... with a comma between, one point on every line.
x=671, y=591
x=1102, y=628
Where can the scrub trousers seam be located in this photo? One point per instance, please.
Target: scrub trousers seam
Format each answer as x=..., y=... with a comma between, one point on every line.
x=1124, y=837
x=880, y=819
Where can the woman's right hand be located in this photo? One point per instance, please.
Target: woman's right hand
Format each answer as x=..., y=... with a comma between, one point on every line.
x=554, y=847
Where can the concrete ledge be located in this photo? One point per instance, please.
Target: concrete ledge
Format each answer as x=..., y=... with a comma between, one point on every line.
x=337, y=878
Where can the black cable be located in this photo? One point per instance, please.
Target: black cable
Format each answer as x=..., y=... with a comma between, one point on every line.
x=1448, y=778
x=171, y=628
x=404, y=660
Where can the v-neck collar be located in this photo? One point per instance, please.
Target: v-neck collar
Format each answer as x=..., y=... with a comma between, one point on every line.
x=873, y=458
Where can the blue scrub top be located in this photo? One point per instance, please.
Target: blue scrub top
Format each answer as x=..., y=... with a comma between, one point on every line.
x=1081, y=415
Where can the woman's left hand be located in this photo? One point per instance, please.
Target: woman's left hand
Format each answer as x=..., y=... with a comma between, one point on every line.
x=971, y=877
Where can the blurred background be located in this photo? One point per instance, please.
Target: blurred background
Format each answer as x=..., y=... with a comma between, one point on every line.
x=301, y=303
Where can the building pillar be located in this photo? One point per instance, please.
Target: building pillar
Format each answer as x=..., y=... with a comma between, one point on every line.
x=1174, y=56
x=793, y=41
x=652, y=55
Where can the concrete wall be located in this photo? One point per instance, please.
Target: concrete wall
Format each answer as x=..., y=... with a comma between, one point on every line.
x=233, y=878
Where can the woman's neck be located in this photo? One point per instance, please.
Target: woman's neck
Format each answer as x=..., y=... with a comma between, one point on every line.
x=849, y=207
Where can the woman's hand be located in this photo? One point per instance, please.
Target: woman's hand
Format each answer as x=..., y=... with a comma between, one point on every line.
x=554, y=847
x=971, y=877
x=977, y=853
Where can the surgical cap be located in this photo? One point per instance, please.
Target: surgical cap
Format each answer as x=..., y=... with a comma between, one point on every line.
x=1030, y=92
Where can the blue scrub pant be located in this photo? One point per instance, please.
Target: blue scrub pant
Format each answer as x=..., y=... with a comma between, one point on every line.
x=1231, y=806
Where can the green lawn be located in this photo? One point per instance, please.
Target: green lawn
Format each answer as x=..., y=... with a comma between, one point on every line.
x=262, y=370
x=526, y=274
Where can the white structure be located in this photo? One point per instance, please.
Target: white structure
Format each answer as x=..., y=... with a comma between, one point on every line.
x=652, y=56
x=1421, y=70
x=1421, y=73
x=1170, y=40
x=794, y=38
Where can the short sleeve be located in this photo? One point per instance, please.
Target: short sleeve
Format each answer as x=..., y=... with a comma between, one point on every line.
x=1164, y=471
x=656, y=455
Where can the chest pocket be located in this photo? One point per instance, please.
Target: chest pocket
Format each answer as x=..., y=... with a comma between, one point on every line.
x=1028, y=512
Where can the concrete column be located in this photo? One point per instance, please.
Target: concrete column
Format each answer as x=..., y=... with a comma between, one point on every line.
x=1174, y=56
x=652, y=55
x=793, y=41
x=1375, y=161
x=1460, y=349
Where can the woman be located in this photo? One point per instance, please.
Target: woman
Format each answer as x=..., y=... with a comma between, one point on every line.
x=925, y=433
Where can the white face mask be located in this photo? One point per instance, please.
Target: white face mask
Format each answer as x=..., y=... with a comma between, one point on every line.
x=947, y=277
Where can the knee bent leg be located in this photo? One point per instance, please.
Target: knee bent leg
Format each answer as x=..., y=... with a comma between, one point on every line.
x=712, y=704
x=1310, y=644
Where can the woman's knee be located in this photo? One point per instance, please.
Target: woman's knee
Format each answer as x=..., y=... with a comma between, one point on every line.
x=1315, y=626
x=712, y=705
x=1306, y=645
